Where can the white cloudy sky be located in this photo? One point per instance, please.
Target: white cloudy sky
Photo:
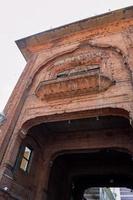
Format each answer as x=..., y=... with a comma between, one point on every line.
x=21, y=18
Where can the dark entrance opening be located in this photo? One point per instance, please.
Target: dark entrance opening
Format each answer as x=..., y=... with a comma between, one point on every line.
x=73, y=172
x=87, y=152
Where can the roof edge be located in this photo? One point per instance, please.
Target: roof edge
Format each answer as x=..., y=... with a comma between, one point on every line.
x=34, y=39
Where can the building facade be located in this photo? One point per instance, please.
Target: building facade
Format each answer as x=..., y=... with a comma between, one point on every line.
x=69, y=119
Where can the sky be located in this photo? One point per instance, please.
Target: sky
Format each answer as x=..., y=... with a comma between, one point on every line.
x=21, y=18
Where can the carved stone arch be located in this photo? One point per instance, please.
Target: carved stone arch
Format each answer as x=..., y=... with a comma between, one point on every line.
x=61, y=153
x=82, y=60
x=49, y=63
x=89, y=43
x=69, y=116
x=78, y=59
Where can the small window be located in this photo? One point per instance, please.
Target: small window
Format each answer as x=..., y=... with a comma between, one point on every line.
x=26, y=157
x=91, y=69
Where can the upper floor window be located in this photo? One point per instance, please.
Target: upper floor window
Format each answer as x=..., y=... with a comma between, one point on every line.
x=26, y=158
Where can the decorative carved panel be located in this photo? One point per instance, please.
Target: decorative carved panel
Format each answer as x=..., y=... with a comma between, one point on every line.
x=74, y=82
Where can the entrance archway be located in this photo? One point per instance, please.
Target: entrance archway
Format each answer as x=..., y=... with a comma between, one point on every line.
x=78, y=153
x=73, y=173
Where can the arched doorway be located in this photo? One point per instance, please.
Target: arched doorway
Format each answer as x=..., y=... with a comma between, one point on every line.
x=77, y=153
x=73, y=173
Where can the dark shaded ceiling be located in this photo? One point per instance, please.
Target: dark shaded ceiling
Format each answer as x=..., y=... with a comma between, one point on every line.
x=102, y=168
x=86, y=124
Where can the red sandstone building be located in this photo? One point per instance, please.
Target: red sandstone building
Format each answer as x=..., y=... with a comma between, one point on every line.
x=69, y=119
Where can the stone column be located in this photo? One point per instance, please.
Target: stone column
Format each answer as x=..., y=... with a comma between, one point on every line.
x=42, y=179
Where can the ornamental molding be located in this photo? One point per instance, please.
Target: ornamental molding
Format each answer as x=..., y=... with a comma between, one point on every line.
x=75, y=85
